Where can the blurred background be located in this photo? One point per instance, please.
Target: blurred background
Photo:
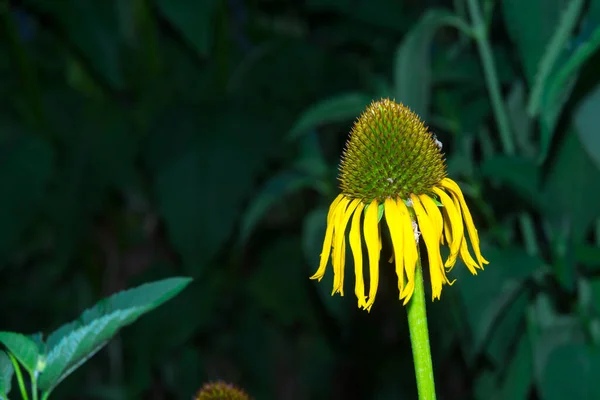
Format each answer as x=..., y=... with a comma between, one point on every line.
x=142, y=139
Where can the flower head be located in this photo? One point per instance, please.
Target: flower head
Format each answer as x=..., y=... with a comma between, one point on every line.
x=220, y=391
x=393, y=169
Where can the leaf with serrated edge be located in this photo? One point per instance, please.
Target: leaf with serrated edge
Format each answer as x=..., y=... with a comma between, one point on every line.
x=23, y=348
x=6, y=374
x=74, y=343
x=79, y=345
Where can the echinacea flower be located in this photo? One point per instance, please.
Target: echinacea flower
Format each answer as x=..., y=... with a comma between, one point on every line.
x=393, y=169
x=220, y=391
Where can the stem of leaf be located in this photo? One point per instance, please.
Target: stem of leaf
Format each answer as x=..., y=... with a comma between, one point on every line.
x=34, y=389
x=419, y=338
x=493, y=85
x=491, y=77
x=17, y=369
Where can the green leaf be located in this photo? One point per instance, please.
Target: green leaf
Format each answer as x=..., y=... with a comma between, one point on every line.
x=519, y=372
x=6, y=374
x=494, y=299
x=338, y=108
x=573, y=181
x=564, y=75
x=282, y=296
x=555, y=46
x=26, y=166
x=202, y=187
x=519, y=173
x=73, y=344
x=92, y=27
x=274, y=190
x=412, y=64
x=587, y=121
x=192, y=19
x=23, y=348
x=571, y=372
x=531, y=24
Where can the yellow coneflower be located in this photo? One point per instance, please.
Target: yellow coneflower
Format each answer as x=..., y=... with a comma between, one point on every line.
x=220, y=391
x=393, y=168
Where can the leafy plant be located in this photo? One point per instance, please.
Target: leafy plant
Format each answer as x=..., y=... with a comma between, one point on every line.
x=70, y=346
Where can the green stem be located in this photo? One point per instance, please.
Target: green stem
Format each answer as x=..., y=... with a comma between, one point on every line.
x=419, y=338
x=493, y=85
x=34, y=389
x=491, y=77
x=17, y=369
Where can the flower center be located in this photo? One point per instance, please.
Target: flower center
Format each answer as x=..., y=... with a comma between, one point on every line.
x=390, y=153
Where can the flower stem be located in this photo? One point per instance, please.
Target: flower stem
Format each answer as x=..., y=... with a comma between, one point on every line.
x=419, y=338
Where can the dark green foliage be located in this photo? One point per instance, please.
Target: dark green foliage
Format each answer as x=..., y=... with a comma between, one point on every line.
x=142, y=139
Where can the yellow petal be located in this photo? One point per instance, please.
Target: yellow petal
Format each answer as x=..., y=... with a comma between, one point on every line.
x=394, y=223
x=371, y=232
x=456, y=192
x=328, y=241
x=453, y=226
x=356, y=247
x=433, y=212
x=333, y=205
x=432, y=240
x=467, y=259
x=339, y=245
x=409, y=248
x=336, y=219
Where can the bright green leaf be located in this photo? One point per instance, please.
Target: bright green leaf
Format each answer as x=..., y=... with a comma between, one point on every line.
x=73, y=344
x=81, y=344
x=23, y=348
x=192, y=19
x=6, y=374
x=412, y=65
x=274, y=190
x=338, y=108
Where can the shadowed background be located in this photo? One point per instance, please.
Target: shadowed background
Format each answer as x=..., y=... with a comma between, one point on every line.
x=141, y=139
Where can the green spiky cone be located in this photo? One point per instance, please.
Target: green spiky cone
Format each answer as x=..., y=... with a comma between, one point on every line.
x=390, y=153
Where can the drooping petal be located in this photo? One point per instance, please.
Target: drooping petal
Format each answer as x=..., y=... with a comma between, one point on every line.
x=434, y=213
x=473, y=236
x=373, y=240
x=410, y=253
x=328, y=241
x=453, y=226
x=394, y=223
x=339, y=246
x=432, y=242
x=465, y=256
x=336, y=261
x=356, y=247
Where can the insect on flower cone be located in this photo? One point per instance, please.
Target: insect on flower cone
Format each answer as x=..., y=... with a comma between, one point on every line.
x=394, y=167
